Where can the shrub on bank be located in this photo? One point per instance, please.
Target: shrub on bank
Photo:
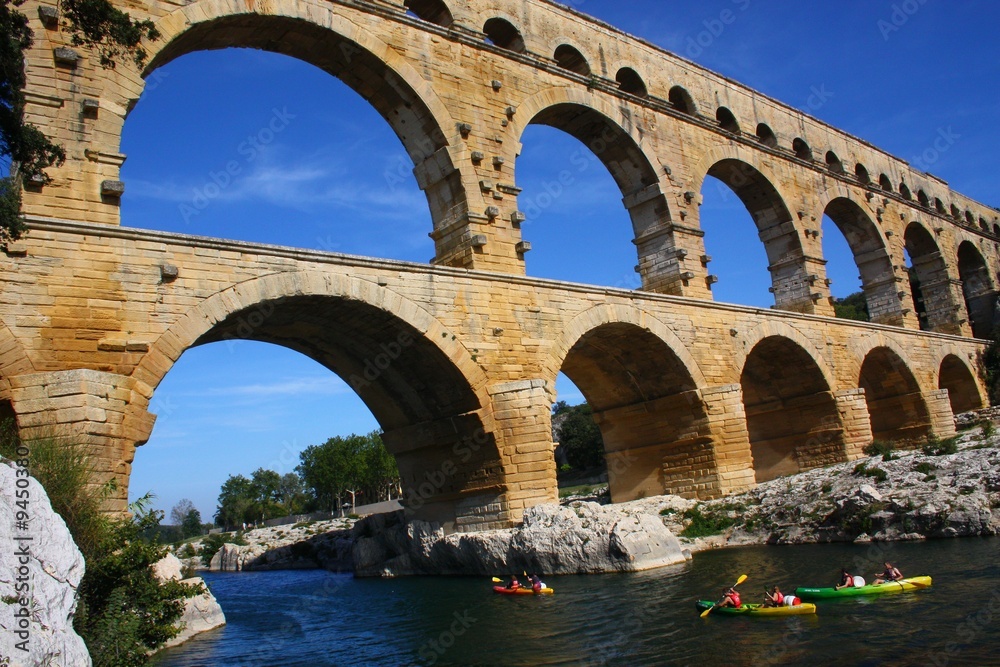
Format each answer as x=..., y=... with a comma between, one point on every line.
x=123, y=610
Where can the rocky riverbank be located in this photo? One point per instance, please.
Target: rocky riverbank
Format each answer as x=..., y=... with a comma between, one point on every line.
x=949, y=489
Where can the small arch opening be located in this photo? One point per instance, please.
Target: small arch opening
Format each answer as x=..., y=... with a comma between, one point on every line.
x=727, y=121
x=904, y=192
x=682, y=100
x=571, y=59
x=996, y=230
x=833, y=163
x=861, y=172
x=630, y=82
x=432, y=11
x=923, y=199
x=885, y=183
x=502, y=33
x=969, y=218
x=801, y=148
x=766, y=136
x=939, y=206
x=956, y=212
x=983, y=225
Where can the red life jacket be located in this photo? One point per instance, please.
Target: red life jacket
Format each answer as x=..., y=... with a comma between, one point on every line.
x=735, y=597
x=778, y=598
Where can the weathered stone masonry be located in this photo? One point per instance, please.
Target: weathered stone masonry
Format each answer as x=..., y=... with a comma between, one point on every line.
x=458, y=359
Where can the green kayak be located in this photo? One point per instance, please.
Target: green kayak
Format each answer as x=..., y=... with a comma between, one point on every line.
x=758, y=609
x=907, y=584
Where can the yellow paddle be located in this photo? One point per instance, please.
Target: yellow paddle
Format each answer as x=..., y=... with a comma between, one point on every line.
x=497, y=580
x=739, y=581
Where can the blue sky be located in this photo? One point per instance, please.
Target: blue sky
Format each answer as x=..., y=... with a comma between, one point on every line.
x=895, y=73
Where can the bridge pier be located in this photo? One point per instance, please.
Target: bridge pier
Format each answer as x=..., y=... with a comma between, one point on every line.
x=95, y=409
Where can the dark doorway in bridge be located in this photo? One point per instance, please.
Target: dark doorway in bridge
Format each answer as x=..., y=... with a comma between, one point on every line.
x=739, y=209
x=573, y=171
x=432, y=11
x=977, y=288
x=792, y=417
x=650, y=415
x=957, y=378
x=928, y=275
x=255, y=146
x=896, y=407
x=859, y=268
x=503, y=34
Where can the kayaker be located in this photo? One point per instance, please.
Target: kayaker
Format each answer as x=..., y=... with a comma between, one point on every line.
x=774, y=599
x=846, y=580
x=536, y=583
x=513, y=584
x=889, y=574
x=730, y=598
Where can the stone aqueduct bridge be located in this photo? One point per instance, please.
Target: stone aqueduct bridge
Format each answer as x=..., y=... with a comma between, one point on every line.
x=457, y=359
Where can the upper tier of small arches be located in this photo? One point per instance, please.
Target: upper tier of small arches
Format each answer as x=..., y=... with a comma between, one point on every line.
x=571, y=56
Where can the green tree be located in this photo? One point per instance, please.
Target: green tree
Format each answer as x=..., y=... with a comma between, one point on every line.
x=580, y=438
x=293, y=496
x=236, y=502
x=381, y=475
x=25, y=153
x=344, y=467
x=852, y=307
x=124, y=611
x=989, y=367
x=191, y=526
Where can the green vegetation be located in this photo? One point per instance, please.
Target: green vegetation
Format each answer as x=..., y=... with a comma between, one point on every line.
x=924, y=467
x=579, y=436
x=852, y=307
x=883, y=449
x=358, y=465
x=989, y=367
x=703, y=525
x=935, y=447
x=987, y=429
x=25, y=150
x=123, y=611
x=211, y=544
x=877, y=473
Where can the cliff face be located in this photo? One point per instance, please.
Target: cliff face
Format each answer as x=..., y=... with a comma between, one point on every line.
x=40, y=570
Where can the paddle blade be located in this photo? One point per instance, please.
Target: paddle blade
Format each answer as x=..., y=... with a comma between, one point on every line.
x=497, y=580
x=705, y=613
x=739, y=581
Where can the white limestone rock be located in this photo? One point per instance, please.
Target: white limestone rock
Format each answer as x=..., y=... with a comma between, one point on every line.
x=54, y=567
x=201, y=613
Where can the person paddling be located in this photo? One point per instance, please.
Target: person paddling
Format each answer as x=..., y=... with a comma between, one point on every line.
x=775, y=598
x=514, y=584
x=889, y=574
x=536, y=583
x=730, y=598
x=846, y=580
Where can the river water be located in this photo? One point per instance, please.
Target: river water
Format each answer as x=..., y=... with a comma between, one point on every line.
x=318, y=618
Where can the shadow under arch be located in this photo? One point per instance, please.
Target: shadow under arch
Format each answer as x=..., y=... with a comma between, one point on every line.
x=776, y=228
x=367, y=65
x=422, y=386
x=871, y=255
x=614, y=138
x=977, y=288
x=643, y=388
x=792, y=416
x=896, y=405
x=960, y=381
x=930, y=282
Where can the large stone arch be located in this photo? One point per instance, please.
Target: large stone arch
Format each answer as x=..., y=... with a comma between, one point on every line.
x=614, y=134
x=748, y=340
x=959, y=378
x=897, y=405
x=931, y=284
x=428, y=395
x=872, y=255
x=324, y=37
x=977, y=288
x=644, y=390
x=792, y=415
x=760, y=191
